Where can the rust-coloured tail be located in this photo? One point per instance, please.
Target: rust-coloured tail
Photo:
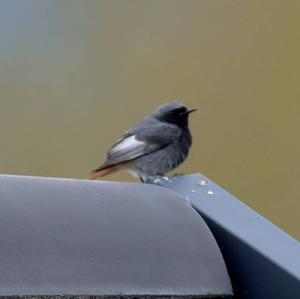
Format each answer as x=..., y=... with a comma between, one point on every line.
x=98, y=173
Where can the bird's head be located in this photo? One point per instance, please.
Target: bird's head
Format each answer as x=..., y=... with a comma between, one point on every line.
x=173, y=112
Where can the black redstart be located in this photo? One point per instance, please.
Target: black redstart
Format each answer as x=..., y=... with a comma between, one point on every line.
x=154, y=146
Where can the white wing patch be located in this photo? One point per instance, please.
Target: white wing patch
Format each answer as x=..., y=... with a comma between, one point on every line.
x=129, y=144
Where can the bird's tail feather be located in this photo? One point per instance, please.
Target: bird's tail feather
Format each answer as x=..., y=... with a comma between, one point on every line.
x=100, y=172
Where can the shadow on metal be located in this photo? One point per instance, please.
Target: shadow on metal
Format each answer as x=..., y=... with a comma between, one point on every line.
x=262, y=260
x=110, y=239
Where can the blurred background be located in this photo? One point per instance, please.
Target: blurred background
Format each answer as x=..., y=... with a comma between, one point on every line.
x=74, y=75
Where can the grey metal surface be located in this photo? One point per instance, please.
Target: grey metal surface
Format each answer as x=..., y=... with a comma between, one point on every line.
x=78, y=237
x=263, y=261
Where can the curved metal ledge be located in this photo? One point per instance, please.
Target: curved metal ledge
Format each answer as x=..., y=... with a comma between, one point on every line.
x=78, y=237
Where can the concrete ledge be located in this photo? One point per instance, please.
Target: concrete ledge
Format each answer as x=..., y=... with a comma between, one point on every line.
x=79, y=237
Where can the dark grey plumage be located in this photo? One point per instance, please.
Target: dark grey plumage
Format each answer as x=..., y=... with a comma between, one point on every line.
x=154, y=146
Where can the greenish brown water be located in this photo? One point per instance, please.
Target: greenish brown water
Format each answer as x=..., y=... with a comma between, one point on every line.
x=75, y=74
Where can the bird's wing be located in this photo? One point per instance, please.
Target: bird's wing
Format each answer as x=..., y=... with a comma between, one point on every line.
x=139, y=141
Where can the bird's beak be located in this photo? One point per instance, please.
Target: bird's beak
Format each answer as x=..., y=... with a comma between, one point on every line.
x=190, y=110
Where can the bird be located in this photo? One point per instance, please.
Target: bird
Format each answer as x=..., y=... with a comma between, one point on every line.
x=153, y=147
